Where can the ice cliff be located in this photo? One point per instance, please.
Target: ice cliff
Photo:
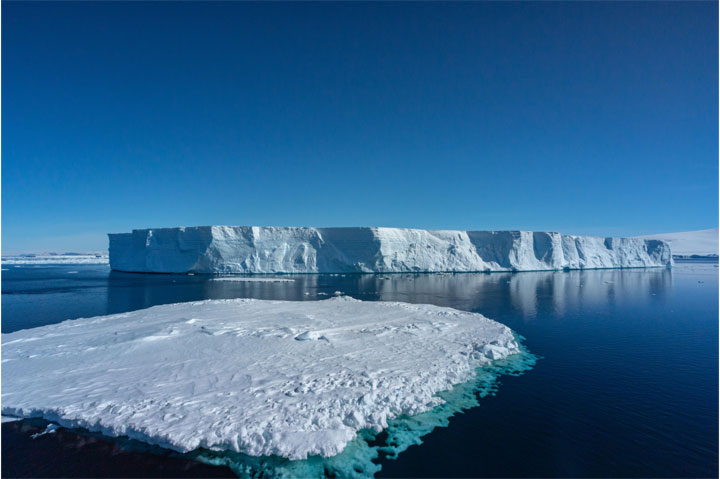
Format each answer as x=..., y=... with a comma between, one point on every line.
x=253, y=249
x=262, y=378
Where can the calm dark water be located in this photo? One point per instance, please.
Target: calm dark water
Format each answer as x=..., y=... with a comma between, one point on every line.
x=627, y=383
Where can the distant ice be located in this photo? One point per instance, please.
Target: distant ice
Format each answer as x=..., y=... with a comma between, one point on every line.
x=270, y=250
x=59, y=258
x=260, y=378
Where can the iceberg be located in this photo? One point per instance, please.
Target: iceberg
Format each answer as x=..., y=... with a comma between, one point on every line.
x=268, y=250
x=359, y=459
x=253, y=377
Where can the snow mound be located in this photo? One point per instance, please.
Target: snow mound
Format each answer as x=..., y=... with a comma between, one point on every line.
x=261, y=378
x=690, y=243
x=252, y=249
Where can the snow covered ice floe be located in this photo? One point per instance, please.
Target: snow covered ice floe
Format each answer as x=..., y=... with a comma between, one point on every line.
x=359, y=458
x=254, y=377
x=261, y=250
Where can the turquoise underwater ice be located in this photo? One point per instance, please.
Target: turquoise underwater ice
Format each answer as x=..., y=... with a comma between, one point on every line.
x=358, y=458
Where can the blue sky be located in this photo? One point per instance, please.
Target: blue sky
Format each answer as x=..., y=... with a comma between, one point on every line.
x=587, y=118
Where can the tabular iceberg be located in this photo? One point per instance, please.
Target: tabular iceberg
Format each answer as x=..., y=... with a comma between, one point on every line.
x=256, y=377
x=253, y=249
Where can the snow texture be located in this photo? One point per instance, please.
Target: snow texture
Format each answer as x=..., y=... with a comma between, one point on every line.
x=290, y=379
x=690, y=243
x=246, y=249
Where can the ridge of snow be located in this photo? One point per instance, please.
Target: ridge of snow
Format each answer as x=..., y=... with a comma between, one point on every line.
x=56, y=258
x=690, y=243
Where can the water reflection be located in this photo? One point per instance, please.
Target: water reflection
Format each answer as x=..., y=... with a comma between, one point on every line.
x=528, y=292
x=628, y=369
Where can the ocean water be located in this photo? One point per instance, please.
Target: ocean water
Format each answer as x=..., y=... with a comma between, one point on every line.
x=625, y=384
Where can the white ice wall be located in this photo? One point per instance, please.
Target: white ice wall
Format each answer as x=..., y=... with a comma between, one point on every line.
x=253, y=249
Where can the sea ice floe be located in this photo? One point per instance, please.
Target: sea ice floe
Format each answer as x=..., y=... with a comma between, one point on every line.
x=49, y=429
x=260, y=378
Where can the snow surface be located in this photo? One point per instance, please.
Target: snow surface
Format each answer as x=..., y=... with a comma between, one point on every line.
x=256, y=377
x=245, y=249
x=81, y=258
x=690, y=243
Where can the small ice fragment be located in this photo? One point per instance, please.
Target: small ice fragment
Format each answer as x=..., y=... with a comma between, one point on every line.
x=50, y=429
x=248, y=358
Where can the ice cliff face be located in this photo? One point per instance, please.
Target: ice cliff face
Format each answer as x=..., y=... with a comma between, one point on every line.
x=253, y=249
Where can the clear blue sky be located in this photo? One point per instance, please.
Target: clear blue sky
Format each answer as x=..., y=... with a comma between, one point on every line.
x=588, y=118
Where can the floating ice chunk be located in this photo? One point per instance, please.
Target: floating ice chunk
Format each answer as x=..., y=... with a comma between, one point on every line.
x=50, y=429
x=53, y=258
x=235, y=375
x=702, y=243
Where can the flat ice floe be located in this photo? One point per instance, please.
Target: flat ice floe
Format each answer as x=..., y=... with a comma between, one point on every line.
x=261, y=378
